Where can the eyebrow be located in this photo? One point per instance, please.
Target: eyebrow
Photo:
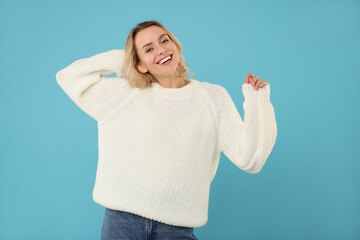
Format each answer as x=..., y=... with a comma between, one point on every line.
x=150, y=42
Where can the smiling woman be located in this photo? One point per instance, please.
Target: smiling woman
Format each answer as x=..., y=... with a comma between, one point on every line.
x=147, y=44
x=161, y=134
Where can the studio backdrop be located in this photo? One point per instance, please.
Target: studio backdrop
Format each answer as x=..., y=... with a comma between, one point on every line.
x=307, y=50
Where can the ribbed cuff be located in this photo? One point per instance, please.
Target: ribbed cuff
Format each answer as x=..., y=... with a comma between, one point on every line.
x=262, y=94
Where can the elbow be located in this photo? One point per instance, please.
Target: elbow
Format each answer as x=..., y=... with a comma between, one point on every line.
x=59, y=78
x=260, y=155
x=255, y=164
x=62, y=79
x=255, y=170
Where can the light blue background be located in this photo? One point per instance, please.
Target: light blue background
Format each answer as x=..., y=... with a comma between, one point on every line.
x=307, y=50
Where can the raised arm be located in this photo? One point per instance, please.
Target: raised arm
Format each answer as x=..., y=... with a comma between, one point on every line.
x=247, y=143
x=85, y=83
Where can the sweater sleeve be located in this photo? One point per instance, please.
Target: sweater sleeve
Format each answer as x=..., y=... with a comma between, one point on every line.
x=85, y=83
x=247, y=143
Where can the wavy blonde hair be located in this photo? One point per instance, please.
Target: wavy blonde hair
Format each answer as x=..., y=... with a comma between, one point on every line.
x=131, y=59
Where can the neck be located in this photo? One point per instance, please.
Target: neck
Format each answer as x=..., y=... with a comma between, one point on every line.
x=172, y=81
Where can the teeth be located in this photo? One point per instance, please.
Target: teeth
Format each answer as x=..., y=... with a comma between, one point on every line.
x=165, y=59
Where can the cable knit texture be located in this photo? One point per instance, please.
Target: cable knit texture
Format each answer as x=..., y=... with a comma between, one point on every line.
x=159, y=148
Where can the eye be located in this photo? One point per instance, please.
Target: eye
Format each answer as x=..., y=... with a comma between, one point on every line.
x=162, y=42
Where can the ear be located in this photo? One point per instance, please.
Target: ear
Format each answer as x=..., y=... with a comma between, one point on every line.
x=141, y=68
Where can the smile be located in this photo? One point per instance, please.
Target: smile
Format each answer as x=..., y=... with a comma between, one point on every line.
x=165, y=61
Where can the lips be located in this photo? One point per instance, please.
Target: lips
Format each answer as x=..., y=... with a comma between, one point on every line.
x=164, y=57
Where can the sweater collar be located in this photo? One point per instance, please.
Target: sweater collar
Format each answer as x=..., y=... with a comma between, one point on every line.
x=181, y=92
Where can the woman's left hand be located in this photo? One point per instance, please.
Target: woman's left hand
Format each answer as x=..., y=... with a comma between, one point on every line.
x=255, y=81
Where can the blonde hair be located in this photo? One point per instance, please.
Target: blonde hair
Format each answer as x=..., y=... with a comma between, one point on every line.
x=129, y=68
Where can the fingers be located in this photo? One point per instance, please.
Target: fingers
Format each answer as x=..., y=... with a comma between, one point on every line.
x=257, y=84
x=263, y=83
x=247, y=79
x=255, y=81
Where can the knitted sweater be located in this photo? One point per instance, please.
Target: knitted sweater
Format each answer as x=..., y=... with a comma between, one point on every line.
x=159, y=148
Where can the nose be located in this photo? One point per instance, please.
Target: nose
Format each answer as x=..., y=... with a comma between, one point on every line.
x=162, y=50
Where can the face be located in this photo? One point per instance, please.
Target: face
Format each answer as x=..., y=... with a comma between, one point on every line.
x=152, y=45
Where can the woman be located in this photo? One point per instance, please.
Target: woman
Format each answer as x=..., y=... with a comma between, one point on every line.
x=161, y=134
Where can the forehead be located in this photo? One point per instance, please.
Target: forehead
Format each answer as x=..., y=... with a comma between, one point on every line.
x=147, y=35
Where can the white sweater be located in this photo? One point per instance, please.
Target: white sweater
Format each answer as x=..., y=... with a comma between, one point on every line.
x=159, y=148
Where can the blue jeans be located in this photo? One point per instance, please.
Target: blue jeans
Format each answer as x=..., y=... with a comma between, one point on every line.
x=120, y=225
